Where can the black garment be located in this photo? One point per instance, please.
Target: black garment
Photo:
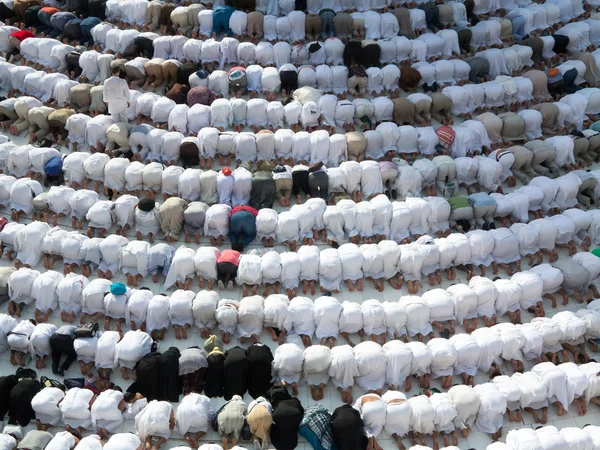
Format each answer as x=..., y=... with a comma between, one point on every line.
x=31, y=18
x=5, y=12
x=147, y=372
x=369, y=56
x=72, y=60
x=560, y=43
x=215, y=375
x=318, y=183
x=557, y=88
x=348, y=429
x=6, y=384
x=263, y=190
x=432, y=16
x=185, y=70
x=170, y=384
x=464, y=39
x=569, y=77
x=145, y=46
x=96, y=8
x=287, y=416
x=224, y=268
x=19, y=402
x=471, y=16
x=62, y=344
x=236, y=369
x=300, y=182
x=300, y=5
x=352, y=53
x=289, y=81
x=189, y=154
x=259, y=363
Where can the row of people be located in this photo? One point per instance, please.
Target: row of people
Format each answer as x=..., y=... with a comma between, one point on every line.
x=248, y=370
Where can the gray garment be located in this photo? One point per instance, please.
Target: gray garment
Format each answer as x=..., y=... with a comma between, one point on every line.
x=575, y=277
x=5, y=273
x=231, y=419
x=68, y=330
x=194, y=217
x=35, y=440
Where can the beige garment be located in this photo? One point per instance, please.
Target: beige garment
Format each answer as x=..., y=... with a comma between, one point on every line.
x=259, y=422
x=171, y=217
x=357, y=145
x=404, y=111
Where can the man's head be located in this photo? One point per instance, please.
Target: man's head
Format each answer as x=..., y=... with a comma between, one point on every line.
x=237, y=246
x=115, y=70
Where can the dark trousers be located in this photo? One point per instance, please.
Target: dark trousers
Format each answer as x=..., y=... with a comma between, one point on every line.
x=224, y=269
x=300, y=182
x=242, y=227
x=62, y=344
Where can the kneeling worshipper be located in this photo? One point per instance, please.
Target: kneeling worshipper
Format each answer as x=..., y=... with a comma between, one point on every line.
x=193, y=416
x=154, y=423
x=76, y=410
x=287, y=417
x=373, y=413
x=45, y=404
x=230, y=421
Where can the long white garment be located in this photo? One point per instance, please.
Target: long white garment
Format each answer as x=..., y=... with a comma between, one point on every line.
x=133, y=347
x=75, y=408
x=467, y=403
x=106, y=413
x=422, y=414
x=288, y=362
x=373, y=413
x=153, y=420
x=398, y=363
x=492, y=408
x=40, y=338
x=194, y=413
x=105, y=350
x=343, y=367
x=398, y=413
x=45, y=404
x=317, y=359
x=326, y=312
x=203, y=309
x=418, y=315
x=300, y=317
x=371, y=362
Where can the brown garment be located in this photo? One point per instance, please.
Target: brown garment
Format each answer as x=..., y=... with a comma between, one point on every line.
x=259, y=421
x=446, y=14
x=409, y=79
x=549, y=112
x=171, y=216
x=513, y=127
x=165, y=14
x=357, y=145
x=61, y=115
x=312, y=25
x=464, y=39
x=403, y=16
x=153, y=69
x=169, y=71
x=506, y=29
x=404, y=111
x=80, y=96
x=440, y=106
x=537, y=46
x=20, y=6
x=423, y=110
x=255, y=24
x=592, y=75
x=342, y=25
x=120, y=63
x=178, y=93
x=492, y=124
x=540, y=85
